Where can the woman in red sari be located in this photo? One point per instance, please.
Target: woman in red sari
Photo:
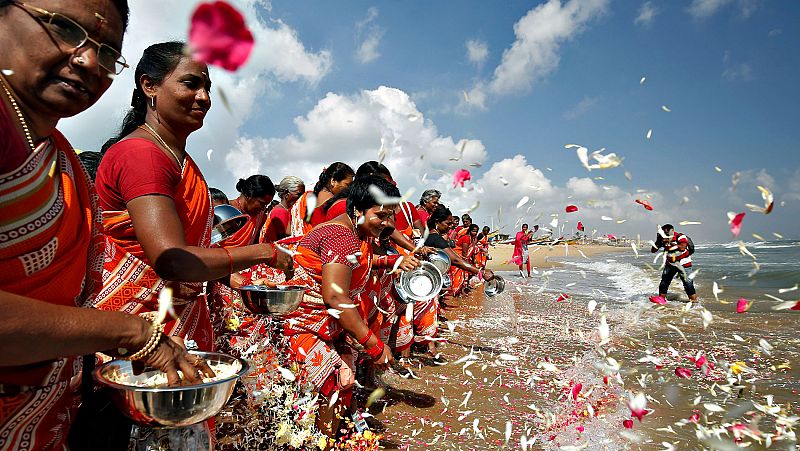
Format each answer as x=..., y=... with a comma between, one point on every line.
x=427, y=203
x=521, y=256
x=51, y=247
x=334, y=262
x=279, y=222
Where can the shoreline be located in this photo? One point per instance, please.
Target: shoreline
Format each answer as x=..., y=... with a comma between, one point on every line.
x=541, y=255
x=526, y=365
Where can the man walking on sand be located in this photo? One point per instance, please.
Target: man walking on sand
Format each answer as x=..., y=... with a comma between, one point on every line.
x=678, y=249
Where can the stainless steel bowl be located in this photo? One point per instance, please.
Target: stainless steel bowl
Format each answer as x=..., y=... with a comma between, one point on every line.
x=271, y=301
x=420, y=284
x=447, y=282
x=168, y=407
x=494, y=286
x=227, y=221
x=441, y=260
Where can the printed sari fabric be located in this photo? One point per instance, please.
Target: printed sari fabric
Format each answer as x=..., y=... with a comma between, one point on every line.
x=248, y=234
x=482, y=252
x=51, y=249
x=299, y=211
x=315, y=336
x=131, y=285
x=426, y=320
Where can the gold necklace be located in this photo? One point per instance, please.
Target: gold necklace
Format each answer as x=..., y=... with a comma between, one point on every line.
x=146, y=127
x=21, y=117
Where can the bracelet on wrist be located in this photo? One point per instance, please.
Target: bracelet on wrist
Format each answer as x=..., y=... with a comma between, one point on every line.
x=230, y=260
x=150, y=346
x=363, y=341
x=375, y=351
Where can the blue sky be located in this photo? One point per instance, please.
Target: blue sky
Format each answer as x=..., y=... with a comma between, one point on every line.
x=725, y=68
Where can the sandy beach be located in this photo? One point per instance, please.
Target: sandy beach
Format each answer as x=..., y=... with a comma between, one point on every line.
x=529, y=367
x=541, y=255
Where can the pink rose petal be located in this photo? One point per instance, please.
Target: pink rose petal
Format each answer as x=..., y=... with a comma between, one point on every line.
x=742, y=305
x=660, y=300
x=219, y=36
x=461, y=176
x=736, y=224
x=576, y=390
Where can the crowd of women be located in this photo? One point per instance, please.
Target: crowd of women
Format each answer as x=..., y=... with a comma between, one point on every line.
x=87, y=247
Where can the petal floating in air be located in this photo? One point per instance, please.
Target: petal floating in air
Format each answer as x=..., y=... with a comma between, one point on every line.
x=219, y=36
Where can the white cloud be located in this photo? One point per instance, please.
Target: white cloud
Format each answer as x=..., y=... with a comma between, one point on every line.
x=738, y=72
x=647, y=12
x=369, y=36
x=353, y=129
x=539, y=34
x=278, y=57
x=581, y=108
x=735, y=71
x=477, y=52
x=534, y=53
x=701, y=9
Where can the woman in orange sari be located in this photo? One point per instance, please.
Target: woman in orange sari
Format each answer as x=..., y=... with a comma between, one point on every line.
x=307, y=211
x=157, y=205
x=334, y=262
x=482, y=253
x=426, y=314
x=255, y=194
x=57, y=61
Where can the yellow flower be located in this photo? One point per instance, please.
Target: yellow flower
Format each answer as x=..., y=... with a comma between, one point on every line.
x=322, y=442
x=233, y=323
x=738, y=367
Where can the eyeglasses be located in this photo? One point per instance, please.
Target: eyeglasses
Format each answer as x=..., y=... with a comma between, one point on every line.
x=74, y=35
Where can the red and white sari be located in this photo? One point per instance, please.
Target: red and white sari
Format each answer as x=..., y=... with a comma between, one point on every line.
x=51, y=249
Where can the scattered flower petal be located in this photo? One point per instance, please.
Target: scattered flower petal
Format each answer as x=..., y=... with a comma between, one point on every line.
x=219, y=36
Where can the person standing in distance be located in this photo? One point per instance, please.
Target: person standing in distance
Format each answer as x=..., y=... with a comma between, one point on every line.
x=678, y=249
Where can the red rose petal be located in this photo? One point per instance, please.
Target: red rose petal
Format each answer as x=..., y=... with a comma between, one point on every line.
x=628, y=424
x=683, y=372
x=571, y=208
x=219, y=36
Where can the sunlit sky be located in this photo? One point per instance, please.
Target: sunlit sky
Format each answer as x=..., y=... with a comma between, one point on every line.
x=517, y=81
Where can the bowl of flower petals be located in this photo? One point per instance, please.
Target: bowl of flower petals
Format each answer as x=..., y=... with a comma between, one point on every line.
x=147, y=398
x=271, y=299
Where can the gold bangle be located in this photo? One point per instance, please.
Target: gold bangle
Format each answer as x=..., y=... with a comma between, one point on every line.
x=150, y=346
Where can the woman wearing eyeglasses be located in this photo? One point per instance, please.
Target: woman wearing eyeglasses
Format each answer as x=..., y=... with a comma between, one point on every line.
x=58, y=58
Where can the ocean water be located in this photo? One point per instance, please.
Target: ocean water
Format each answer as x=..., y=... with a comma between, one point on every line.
x=762, y=340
